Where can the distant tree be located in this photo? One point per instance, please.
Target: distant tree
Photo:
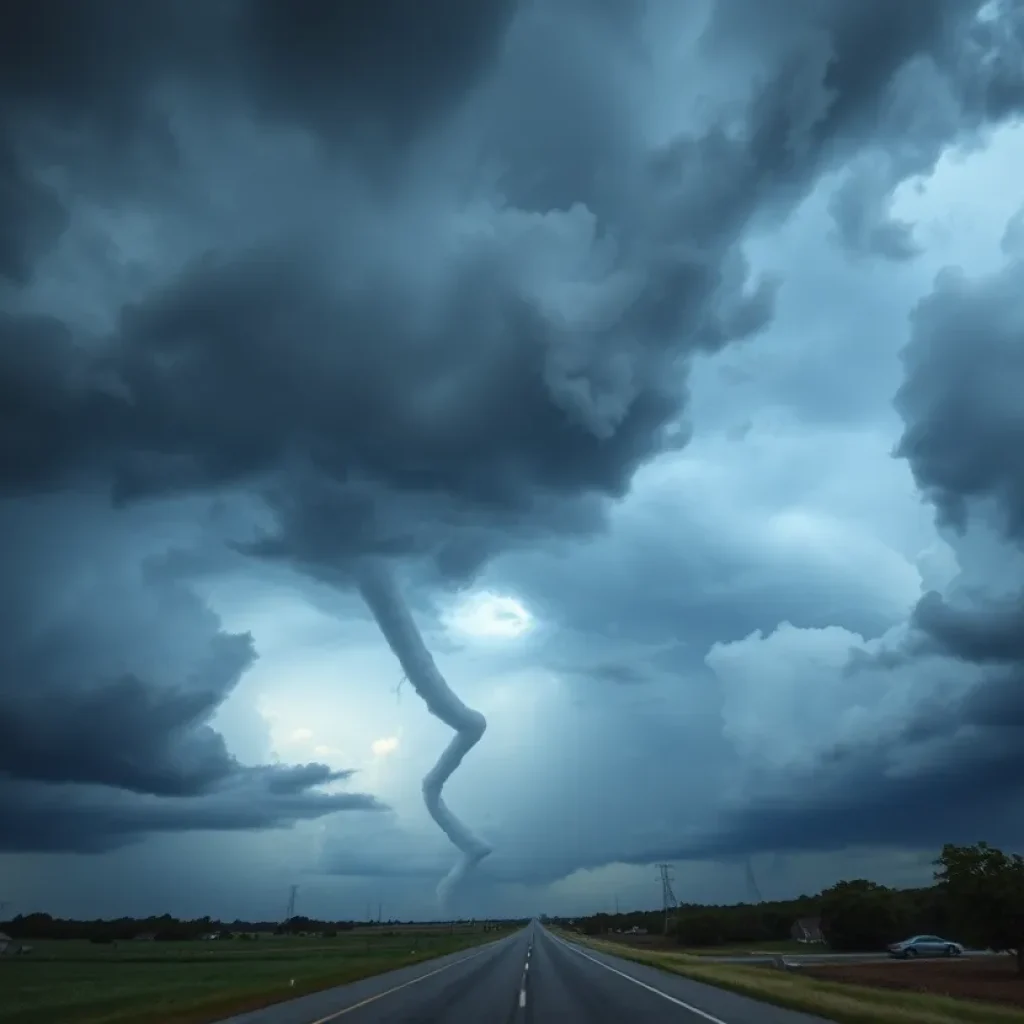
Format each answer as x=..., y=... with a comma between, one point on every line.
x=703, y=928
x=859, y=915
x=984, y=889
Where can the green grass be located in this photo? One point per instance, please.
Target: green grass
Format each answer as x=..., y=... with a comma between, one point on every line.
x=197, y=982
x=840, y=1002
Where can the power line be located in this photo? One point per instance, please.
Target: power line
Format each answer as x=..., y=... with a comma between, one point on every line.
x=669, y=903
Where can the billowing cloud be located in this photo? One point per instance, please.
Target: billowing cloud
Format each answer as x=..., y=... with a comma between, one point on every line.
x=915, y=736
x=438, y=288
x=113, y=670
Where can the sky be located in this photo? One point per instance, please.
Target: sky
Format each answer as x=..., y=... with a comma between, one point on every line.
x=666, y=357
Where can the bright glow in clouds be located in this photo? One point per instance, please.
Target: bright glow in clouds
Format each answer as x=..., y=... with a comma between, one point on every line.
x=487, y=614
x=383, y=747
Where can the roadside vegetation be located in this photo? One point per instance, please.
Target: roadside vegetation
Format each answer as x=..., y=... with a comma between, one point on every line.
x=842, y=1002
x=141, y=979
x=977, y=899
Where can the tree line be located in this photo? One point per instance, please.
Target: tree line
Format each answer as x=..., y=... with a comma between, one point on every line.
x=166, y=928
x=977, y=899
x=162, y=928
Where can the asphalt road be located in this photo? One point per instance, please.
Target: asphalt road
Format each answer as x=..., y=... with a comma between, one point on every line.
x=530, y=977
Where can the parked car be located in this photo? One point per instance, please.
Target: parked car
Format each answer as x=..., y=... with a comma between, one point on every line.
x=924, y=945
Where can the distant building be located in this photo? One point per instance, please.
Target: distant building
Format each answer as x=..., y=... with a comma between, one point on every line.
x=807, y=929
x=145, y=937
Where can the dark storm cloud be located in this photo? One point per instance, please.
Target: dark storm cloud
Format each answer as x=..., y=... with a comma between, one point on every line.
x=964, y=440
x=487, y=397
x=79, y=85
x=378, y=71
x=112, y=671
x=900, y=79
x=405, y=360
x=960, y=399
x=989, y=631
x=952, y=773
x=85, y=819
x=122, y=732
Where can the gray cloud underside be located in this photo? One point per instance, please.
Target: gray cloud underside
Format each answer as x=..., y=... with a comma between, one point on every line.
x=409, y=316
x=963, y=440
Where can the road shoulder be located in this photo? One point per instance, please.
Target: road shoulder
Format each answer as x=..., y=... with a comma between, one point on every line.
x=791, y=990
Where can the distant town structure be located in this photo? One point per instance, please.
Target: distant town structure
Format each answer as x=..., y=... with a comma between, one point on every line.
x=807, y=929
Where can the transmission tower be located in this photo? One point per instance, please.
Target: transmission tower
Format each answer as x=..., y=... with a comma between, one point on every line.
x=668, y=897
x=293, y=892
x=752, y=887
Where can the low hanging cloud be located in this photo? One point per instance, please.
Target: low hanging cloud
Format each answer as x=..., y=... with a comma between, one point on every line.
x=354, y=275
x=915, y=738
x=112, y=673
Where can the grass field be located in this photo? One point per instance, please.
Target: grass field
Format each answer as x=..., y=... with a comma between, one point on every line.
x=842, y=1002
x=197, y=982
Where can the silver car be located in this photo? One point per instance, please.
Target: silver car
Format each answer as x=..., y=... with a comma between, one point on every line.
x=924, y=945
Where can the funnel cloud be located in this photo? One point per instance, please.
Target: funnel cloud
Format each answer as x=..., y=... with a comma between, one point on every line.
x=377, y=586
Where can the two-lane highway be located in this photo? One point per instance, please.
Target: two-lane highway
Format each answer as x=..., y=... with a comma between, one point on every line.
x=532, y=977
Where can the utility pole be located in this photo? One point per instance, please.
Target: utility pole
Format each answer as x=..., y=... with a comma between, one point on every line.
x=293, y=892
x=668, y=897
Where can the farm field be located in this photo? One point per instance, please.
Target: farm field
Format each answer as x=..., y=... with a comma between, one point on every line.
x=992, y=979
x=199, y=981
